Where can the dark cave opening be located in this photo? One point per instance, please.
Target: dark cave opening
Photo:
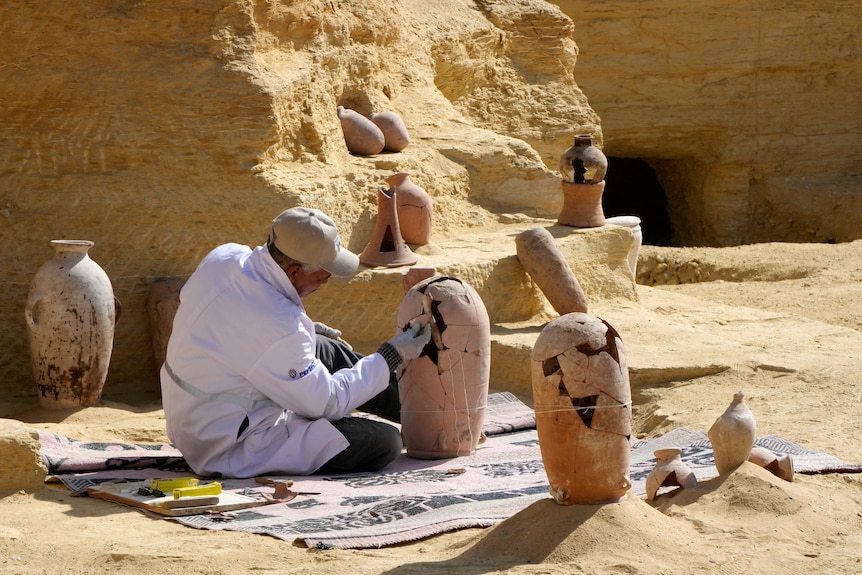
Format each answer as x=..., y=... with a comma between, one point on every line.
x=632, y=189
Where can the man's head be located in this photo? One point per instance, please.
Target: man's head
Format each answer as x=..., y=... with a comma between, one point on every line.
x=309, y=236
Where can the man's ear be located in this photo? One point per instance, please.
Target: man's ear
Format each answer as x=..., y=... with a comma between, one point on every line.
x=291, y=271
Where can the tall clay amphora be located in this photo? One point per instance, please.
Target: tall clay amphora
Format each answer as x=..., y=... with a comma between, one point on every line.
x=444, y=391
x=394, y=131
x=70, y=316
x=733, y=434
x=361, y=135
x=582, y=400
x=415, y=211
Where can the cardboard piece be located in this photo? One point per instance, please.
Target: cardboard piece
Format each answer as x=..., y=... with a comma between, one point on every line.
x=127, y=494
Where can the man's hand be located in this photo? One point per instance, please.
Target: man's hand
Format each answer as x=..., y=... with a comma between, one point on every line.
x=330, y=332
x=410, y=343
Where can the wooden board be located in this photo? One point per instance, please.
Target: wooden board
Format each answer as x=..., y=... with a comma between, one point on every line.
x=127, y=493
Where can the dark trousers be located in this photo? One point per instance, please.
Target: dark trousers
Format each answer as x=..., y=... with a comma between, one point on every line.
x=373, y=444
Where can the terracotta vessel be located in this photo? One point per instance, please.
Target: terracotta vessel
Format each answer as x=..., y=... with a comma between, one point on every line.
x=394, y=131
x=70, y=314
x=582, y=205
x=732, y=435
x=387, y=247
x=542, y=259
x=415, y=211
x=163, y=299
x=444, y=391
x=415, y=275
x=634, y=224
x=583, y=409
x=361, y=135
x=583, y=163
x=780, y=465
x=669, y=471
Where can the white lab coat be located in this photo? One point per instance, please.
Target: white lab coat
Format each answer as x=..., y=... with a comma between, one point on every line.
x=241, y=334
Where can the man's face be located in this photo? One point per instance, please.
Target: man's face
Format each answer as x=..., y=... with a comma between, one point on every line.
x=306, y=283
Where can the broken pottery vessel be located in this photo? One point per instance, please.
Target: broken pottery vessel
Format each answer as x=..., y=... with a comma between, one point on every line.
x=394, y=131
x=780, y=465
x=70, y=314
x=361, y=135
x=542, y=259
x=732, y=435
x=444, y=391
x=415, y=212
x=387, y=247
x=163, y=299
x=582, y=401
x=669, y=471
x=583, y=168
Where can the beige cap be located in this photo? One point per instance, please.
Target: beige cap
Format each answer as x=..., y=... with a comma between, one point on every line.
x=309, y=236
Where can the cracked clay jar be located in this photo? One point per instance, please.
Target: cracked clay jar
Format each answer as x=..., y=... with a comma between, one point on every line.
x=583, y=409
x=444, y=391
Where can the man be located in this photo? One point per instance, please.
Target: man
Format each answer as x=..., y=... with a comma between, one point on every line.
x=250, y=389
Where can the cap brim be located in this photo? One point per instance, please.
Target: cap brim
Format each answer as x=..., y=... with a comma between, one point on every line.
x=344, y=265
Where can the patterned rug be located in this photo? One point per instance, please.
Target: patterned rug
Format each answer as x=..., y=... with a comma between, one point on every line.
x=410, y=499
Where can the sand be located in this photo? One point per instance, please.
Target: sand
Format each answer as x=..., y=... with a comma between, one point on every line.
x=783, y=322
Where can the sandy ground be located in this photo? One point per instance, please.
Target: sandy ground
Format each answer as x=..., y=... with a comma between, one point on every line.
x=782, y=322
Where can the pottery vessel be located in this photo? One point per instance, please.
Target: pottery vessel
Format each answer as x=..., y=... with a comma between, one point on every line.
x=415, y=211
x=415, y=275
x=394, y=131
x=634, y=224
x=387, y=247
x=732, y=435
x=582, y=401
x=361, y=135
x=582, y=205
x=444, y=391
x=583, y=163
x=163, y=299
x=70, y=315
x=780, y=465
x=542, y=259
x=669, y=471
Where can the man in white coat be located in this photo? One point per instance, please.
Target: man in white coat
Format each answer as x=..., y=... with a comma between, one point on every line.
x=251, y=386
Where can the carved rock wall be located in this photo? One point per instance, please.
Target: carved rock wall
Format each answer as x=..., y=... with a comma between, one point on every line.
x=748, y=112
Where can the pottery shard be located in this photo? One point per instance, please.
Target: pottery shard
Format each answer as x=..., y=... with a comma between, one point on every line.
x=361, y=135
x=394, y=131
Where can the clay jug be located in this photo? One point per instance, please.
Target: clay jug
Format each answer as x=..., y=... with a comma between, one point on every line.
x=780, y=465
x=387, y=247
x=70, y=314
x=361, y=135
x=732, y=435
x=582, y=401
x=415, y=212
x=583, y=163
x=444, y=391
x=542, y=259
x=394, y=131
x=668, y=471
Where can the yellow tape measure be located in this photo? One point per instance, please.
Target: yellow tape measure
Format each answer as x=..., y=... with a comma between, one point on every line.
x=207, y=489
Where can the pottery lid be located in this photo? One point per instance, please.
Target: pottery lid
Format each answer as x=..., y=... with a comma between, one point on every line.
x=309, y=236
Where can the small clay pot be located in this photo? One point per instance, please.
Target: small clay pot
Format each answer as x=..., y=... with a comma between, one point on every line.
x=669, y=470
x=361, y=135
x=394, y=131
x=541, y=257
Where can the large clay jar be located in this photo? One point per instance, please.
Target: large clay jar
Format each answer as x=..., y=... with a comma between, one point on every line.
x=583, y=168
x=444, y=391
x=732, y=435
x=582, y=400
x=70, y=314
x=394, y=131
x=415, y=212
x=387, y=247
x=163, y=299
x=542, y=259
x=361, y=135
x=669, y=471
x=583, y=163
